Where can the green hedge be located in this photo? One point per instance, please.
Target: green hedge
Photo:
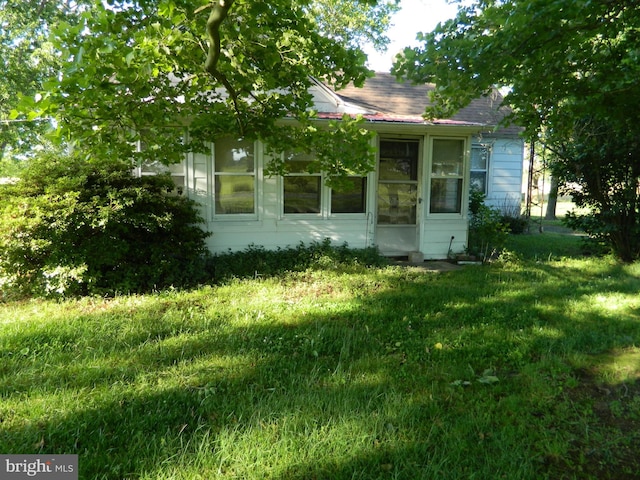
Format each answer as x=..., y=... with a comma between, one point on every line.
x=256, y=261
x=72, y=226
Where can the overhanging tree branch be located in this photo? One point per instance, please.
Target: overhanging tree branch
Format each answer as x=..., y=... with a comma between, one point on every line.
x=219, y=12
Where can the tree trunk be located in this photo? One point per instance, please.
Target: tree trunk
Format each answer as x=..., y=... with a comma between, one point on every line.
x=553, y=200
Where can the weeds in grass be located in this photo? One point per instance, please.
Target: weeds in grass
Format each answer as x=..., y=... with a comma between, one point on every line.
x=256, y=261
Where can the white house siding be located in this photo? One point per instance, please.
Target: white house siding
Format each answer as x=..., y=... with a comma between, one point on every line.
x=269, y=227
x=437, y=234
x=436, y=237
x=505, y=172
x=272, y=233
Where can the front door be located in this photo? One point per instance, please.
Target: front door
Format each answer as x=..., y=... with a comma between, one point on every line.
x=398, y=196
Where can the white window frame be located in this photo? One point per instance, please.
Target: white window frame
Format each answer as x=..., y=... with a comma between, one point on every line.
x=216, y=173
x=177, y=171
x=365, y=198
x=460, y=176
x=326, y=195
x=488, y=149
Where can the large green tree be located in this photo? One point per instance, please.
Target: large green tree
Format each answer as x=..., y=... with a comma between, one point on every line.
x=140, y=71
x=27, y=59
x=572, y=69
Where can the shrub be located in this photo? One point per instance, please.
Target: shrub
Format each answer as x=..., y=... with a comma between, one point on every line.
x=600, y=231
x=72, y=226
x=487, y=232
x=258, y=261
x=511, y=216
x=515, y=224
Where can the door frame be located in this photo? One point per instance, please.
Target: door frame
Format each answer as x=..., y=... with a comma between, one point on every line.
x=385, y=233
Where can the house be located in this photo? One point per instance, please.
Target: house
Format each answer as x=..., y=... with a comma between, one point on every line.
x=416, y=200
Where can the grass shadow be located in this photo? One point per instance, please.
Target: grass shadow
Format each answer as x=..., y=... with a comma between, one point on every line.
x=378, y=374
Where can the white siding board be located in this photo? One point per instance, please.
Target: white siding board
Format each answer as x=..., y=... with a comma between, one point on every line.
x=436, y=237
x=505, y=172
x=271, y=234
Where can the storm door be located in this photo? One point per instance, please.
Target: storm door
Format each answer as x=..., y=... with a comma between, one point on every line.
x=398, y=196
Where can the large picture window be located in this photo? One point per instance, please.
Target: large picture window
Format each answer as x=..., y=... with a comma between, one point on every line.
x=447, y=174
x=234, y=177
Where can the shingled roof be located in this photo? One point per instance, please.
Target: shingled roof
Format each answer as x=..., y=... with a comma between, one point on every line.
x=392, y=101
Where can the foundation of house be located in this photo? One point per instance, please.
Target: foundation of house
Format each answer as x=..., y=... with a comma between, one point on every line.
x=416, y=257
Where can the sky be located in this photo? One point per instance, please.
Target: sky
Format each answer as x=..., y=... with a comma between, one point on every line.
x=414, y=16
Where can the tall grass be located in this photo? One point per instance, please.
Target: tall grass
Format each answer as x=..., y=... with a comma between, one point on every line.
x=525, y=369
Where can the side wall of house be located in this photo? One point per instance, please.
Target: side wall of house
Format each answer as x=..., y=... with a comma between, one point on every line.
x=505, y=173
x=440, y=237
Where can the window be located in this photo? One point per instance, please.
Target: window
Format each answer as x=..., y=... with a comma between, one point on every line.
x=353, y=200
x=479, y=167
x=234, y=177
x=303, y=192
x=447, y=172
x=147, y=167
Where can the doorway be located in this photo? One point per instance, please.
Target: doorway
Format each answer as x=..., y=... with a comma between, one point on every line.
x=398, y=196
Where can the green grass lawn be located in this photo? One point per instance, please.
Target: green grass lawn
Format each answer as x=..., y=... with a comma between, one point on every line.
x=526, y=368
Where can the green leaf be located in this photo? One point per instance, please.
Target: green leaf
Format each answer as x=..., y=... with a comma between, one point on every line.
x=78, y=56
x=488, y=379
x=129, y=57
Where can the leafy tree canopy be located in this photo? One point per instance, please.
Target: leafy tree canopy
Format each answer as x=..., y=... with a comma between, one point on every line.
x=559, y=59
x=141, y=70
x=27, y=58
x=572, y=69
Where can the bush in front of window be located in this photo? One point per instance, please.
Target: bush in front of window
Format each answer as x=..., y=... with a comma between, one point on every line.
x=71, y=226
x=487, y=231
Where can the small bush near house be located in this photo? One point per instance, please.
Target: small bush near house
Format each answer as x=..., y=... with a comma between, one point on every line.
x=73, y=227
x=511, y=216
x=256, y=261
x=515, y=224
x=487, y=231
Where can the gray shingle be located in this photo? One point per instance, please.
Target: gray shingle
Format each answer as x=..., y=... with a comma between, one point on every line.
x=384, y=94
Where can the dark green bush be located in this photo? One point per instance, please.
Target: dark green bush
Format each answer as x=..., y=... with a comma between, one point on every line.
x=516, y=224
x=258, y=261
x=487, y=232
x=512, y=217
x=599, y=229
x=72, y=227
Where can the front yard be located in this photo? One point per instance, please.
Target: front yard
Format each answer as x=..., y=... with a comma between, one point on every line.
x=527, y=368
